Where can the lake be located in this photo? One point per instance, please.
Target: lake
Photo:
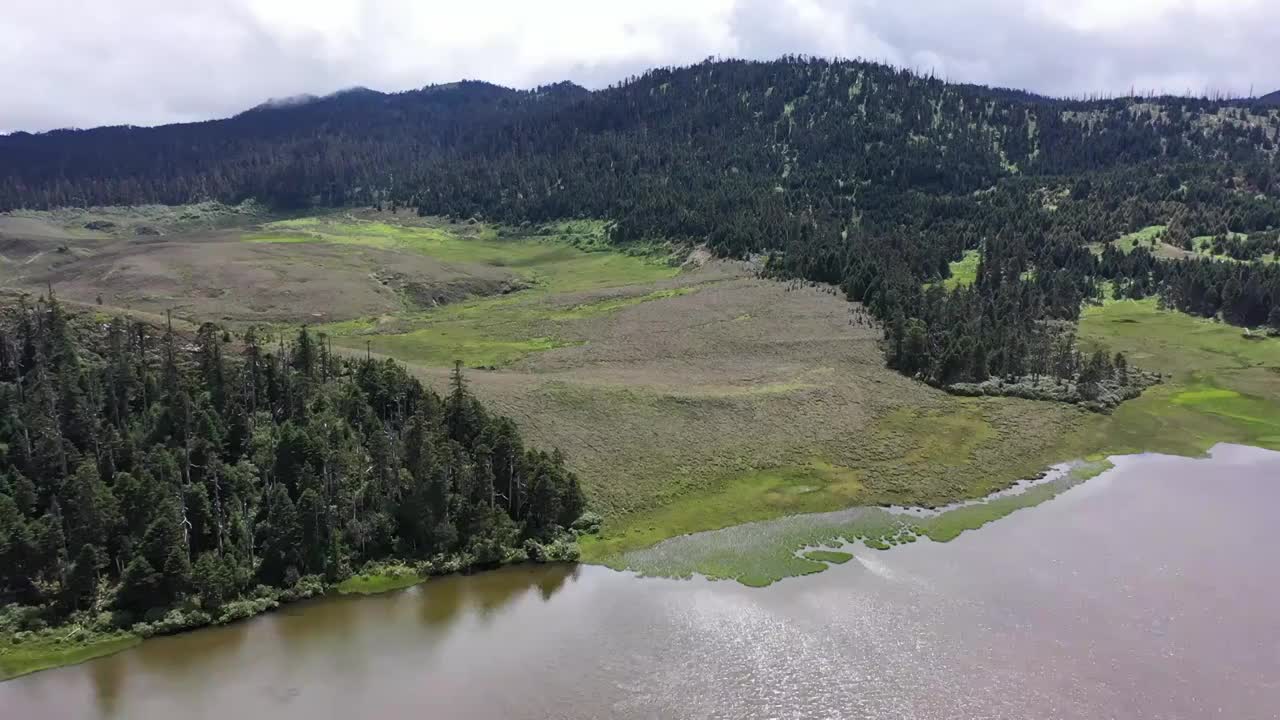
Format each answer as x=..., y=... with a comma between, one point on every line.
x=1151, y=591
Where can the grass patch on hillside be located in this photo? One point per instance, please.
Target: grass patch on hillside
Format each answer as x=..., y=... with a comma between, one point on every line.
x=557, y=259
x=964, y=272
x=486, y=332
x=441, y=343
x=99, y=223
x=551, y=261
x=1147, y=237
x=52, y=648
x=1221, y=387
x=1151, y=236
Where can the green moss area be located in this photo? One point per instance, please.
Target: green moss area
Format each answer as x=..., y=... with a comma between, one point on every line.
x=740, y=498
x=560, y=262
x=828, y=556
x=31, y=652
x=376, y=583
x=758, y=554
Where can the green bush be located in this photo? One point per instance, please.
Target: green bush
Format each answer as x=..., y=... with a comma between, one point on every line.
x=176, y=620
x=588, y=523
x=243, y=609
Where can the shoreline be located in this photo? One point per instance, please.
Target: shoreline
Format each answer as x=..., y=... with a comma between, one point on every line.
x=820, y=541
x=758, y=554
x=761, y=553
x=26, y=652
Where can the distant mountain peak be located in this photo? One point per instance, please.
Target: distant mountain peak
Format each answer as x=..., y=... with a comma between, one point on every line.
x=308, y=98
x=284, y=102
x=1270, y=99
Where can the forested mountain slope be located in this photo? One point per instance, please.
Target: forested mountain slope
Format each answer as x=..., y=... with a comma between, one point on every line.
x=852, y=173
x=810, y=124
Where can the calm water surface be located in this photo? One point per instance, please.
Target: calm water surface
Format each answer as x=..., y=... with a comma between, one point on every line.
x=1152, y=591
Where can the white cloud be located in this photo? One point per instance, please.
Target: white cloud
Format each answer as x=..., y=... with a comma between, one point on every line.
x=72, y=63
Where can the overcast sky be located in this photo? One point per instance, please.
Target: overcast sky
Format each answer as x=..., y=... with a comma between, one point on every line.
x=68, y=63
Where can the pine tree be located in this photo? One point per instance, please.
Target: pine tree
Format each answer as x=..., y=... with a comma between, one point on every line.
x=82, y=578
x=139, y=588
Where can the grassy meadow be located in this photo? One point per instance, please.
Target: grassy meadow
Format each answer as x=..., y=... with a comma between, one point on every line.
x=485, y=331
x=739, y=415
x=1223, y=384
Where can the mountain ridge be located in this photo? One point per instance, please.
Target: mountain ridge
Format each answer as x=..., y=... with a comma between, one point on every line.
x=369, y=144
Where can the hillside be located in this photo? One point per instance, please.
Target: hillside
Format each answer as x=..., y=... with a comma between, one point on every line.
x=849, y=173
x=786, y=119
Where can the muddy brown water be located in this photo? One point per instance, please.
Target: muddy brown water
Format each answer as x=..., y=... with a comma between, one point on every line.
x=1152, y=591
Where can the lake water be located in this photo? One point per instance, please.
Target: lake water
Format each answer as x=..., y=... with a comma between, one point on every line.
x=1152, y=591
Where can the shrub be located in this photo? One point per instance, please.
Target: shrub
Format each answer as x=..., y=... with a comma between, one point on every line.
x=307, y=586
x=562, y=549
x=174, y=621
x=242, y=609
x=588, y=523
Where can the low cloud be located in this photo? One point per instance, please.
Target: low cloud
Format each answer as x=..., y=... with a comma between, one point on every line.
x=67, y=63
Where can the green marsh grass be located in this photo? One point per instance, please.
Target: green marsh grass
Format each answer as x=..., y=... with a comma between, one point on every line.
x=374, y=583
x=51, y=648
x=828, y=556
